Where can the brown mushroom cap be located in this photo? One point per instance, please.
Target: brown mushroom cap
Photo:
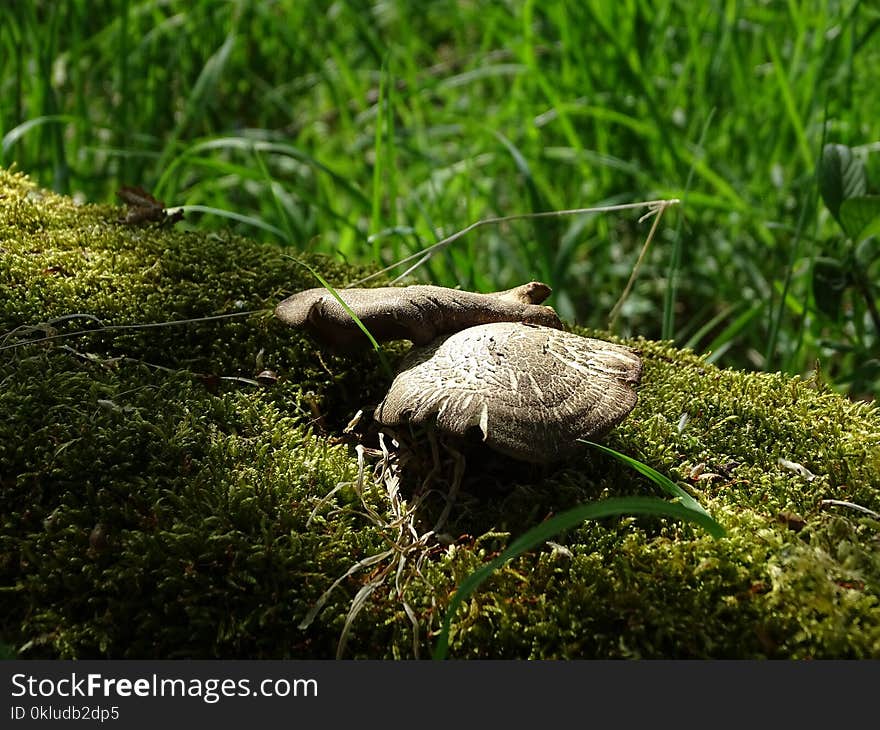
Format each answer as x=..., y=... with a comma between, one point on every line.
x=532, y=391
x=419, y=313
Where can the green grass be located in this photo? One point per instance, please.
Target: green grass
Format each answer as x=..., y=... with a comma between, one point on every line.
x=376, y=129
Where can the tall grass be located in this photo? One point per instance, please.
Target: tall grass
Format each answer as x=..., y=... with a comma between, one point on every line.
x=369, y=130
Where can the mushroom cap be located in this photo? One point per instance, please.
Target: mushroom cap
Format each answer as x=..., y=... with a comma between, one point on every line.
x=420, y=312
x=532, y=391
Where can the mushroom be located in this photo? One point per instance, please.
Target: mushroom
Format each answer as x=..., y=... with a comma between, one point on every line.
x=419, y=313
x=499, y=363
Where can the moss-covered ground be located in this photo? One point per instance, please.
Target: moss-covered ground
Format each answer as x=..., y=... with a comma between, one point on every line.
x=155, y=502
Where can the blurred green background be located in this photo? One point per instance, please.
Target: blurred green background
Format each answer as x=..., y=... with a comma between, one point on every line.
x=369, y=130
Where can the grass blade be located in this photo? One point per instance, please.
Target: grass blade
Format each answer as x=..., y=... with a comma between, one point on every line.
x=652, y=506
x=725, y=338
x=668, y=327
x=195, y=107
x=384, y=360
x=15, y=134
x=279, y=206
x=665, y=483
x=232, y=215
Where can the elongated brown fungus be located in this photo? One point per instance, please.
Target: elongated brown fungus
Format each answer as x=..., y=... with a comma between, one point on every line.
x=499, y=363
x=419, y=313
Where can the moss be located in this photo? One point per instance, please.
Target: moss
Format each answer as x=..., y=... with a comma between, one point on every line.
x=156, y=504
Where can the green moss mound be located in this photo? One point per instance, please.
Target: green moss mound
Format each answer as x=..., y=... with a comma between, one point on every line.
x=157, y=502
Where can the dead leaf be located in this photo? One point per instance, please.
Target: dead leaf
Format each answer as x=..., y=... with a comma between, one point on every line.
x=144, y=208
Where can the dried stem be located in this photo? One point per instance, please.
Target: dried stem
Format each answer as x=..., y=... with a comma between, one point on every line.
x=426, y=253
x=658, y=208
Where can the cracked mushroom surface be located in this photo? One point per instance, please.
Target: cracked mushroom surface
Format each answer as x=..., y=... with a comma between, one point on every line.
x=531, y=391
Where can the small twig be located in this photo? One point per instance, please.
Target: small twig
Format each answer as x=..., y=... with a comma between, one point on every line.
x=110, y=361
x=426, y=253
x=121, y=327
x=851, y=505
x=412, y=268
x=658, y=208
